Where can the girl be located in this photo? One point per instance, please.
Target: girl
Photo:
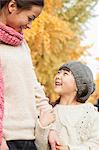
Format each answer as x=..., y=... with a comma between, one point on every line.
x=77, y=122
x=1, y=103
x=21, y=85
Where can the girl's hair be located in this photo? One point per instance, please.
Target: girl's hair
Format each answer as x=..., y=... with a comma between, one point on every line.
x=77, y=98
x=23, y=4
x=55, y=103
x=84, y=93
x=64, y=68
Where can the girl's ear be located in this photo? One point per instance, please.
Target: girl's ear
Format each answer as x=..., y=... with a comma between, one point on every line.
x=12, y=7
x=76, y=90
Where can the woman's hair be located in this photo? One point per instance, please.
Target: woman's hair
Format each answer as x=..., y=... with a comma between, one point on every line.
x=23, y=4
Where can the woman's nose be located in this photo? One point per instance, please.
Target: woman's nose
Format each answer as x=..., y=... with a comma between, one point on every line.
x=29, y=25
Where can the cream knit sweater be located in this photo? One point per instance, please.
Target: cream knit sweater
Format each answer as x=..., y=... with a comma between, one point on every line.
x=21, y=87
x=76, y=125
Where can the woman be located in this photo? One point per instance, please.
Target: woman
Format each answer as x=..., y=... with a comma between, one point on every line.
x=1, y=103
x=21, y=85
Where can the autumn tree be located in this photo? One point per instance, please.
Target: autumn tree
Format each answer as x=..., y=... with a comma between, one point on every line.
x=54, y=39
x=77, y=12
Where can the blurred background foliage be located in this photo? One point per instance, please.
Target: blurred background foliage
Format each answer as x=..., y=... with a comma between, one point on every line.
x=95, y=95
x=56, y=37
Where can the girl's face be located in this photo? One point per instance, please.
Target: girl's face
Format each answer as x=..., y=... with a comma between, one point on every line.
x=64, y=83
x=21, y=19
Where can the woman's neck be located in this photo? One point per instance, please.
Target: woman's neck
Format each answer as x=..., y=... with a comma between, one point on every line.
x=2, y=17
x=68, y=100
x=9, y=36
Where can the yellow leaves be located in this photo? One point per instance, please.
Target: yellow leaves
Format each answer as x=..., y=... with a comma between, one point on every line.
x=97, y=58
x=45, y=29
x=52, y=5
x=46, y=41
x=52, y=42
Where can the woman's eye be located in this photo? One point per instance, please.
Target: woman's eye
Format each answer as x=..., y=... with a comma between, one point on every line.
x=31, y=18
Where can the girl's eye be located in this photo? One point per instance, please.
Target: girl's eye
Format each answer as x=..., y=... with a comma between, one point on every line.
x=58, y=72
x=65, y=73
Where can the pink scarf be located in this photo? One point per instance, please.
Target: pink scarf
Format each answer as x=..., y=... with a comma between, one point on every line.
x=9, y=36
x=1, y=103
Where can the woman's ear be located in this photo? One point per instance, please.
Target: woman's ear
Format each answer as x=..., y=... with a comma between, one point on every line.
x=12, y=7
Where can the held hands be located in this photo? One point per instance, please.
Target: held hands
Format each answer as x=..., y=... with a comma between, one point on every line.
x=60, y=147
x=54, y=141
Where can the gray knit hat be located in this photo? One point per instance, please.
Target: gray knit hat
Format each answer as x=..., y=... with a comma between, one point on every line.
x=83, y=77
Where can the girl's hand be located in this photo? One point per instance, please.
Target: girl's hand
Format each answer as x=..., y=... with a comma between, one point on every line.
x=46, y=117
x=4, y=145
x=60, y=147
x=53, y=139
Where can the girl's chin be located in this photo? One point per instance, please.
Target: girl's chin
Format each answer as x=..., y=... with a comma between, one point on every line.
x=57, y=91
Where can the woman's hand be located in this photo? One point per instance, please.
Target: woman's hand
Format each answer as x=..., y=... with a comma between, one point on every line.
x=46, y=117
x=4, y=145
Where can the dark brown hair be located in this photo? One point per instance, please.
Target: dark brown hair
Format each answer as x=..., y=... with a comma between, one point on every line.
x=23, y=4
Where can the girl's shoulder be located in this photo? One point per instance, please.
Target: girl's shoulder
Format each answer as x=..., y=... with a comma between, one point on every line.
x=89, y=107
x=89, y=113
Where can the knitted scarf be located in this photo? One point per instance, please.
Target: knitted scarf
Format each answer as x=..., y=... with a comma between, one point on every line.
x=9, y=36
x=1, y=103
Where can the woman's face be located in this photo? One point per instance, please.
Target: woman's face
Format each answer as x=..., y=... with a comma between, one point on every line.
x=64, y=83
x=21, y=19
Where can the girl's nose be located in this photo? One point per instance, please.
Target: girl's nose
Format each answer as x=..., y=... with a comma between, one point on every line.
x=59, y=76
